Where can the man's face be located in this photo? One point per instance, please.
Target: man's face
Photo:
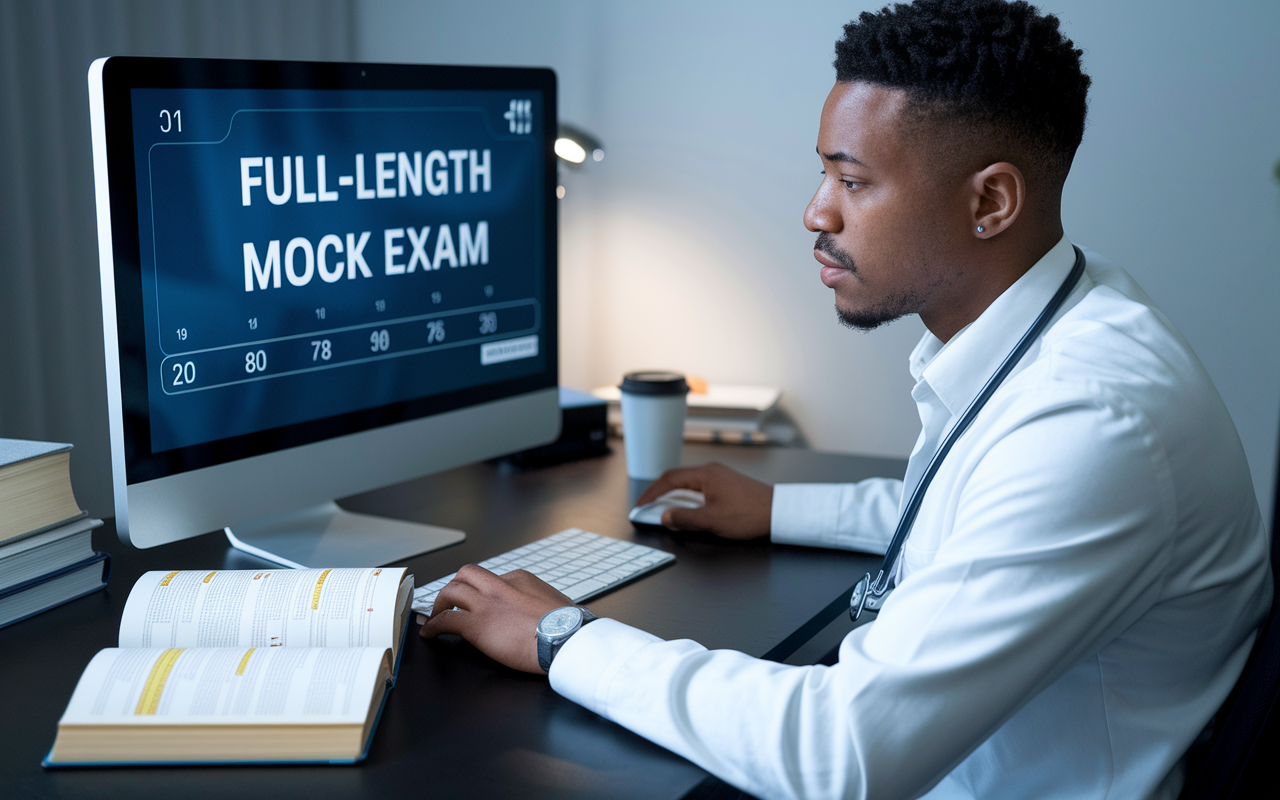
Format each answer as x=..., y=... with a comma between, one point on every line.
x=882, y=212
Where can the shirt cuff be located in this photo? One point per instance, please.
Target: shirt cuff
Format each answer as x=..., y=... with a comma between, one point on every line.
x=589, y=660
x=805, y=514
x=847, y=516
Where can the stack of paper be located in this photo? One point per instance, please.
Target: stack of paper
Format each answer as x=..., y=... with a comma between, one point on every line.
x=723, y=413
x=46, y=552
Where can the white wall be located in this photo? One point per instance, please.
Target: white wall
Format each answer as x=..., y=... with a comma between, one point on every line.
x=685, y=247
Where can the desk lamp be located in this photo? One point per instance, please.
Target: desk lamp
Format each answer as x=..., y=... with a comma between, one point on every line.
x=574, y=146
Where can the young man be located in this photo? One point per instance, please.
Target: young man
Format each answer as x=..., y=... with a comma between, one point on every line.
x=1088, y=568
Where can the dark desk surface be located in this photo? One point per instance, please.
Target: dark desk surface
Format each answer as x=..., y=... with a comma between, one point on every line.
x=457, y=724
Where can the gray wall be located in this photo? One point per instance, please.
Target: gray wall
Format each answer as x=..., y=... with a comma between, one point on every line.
x=1174, y=182
x=685, y=248
x=52, y=381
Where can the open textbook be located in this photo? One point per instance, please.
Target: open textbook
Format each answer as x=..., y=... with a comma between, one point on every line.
x=246, y=666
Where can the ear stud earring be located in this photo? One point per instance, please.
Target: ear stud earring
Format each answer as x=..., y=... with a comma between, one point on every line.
x=979, y=229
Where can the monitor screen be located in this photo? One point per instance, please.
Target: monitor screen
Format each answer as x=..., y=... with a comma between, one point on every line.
x=314, y=262
x=301, y=253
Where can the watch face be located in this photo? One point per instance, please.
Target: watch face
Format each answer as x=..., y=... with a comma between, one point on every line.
x=560, y=621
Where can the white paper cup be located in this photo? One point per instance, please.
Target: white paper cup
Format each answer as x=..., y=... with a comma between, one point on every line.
x=653, y=411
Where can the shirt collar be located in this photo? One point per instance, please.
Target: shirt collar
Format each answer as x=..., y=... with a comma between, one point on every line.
x=958, y=369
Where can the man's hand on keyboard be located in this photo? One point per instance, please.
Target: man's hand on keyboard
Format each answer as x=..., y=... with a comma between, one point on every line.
x=737, y=507
x=497, y=613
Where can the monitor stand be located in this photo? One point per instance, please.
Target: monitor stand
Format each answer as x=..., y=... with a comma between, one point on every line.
x=327, y=536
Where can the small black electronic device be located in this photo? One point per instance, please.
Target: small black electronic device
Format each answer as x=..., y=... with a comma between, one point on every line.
x=583, y=432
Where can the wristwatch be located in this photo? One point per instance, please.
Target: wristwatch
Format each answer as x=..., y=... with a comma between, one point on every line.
x=555, y=628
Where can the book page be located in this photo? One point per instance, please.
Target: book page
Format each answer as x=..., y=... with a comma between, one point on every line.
x=226, y=685
x=263, y=608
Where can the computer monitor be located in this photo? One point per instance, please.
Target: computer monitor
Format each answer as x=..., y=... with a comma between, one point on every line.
x=319, y=279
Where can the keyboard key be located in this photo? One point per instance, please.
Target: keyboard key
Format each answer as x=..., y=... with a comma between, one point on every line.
x=585, y=588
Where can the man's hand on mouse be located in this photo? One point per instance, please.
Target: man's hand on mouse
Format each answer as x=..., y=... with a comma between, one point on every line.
x=497, y=613
x=737, y=507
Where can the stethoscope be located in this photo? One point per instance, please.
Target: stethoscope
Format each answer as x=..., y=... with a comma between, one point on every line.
x=871, y=595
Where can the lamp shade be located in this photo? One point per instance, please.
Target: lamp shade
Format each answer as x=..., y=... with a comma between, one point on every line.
x=576, y=146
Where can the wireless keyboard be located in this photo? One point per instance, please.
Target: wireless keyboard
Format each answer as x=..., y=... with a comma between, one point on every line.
x=578, y=563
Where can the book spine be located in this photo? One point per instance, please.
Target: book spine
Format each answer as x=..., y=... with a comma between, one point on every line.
x=726, y=437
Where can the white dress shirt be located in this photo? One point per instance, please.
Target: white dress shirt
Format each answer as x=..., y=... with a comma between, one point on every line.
x=1078, y=595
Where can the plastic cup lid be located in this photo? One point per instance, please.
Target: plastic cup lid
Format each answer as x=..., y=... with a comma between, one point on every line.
x=654, y=382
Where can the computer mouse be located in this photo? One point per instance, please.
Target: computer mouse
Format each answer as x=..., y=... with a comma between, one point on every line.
x=651, y=513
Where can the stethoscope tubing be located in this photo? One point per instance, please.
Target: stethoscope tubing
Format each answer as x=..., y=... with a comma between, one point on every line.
x=868, y=594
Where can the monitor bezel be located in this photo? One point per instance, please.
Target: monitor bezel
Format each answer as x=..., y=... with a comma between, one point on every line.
x=120, y=75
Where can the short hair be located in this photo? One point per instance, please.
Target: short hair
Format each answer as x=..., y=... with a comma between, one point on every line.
x=1002, y=68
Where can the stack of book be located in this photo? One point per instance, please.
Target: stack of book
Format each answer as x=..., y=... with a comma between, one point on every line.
x=721, y=413
x=46, y=549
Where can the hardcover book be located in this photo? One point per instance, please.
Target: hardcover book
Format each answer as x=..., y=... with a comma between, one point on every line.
x=35, y=488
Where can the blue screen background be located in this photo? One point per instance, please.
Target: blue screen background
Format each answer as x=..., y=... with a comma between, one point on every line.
x=223, y=361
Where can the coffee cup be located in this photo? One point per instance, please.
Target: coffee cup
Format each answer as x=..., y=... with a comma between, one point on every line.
x=653, y=412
